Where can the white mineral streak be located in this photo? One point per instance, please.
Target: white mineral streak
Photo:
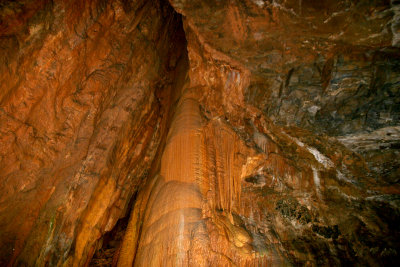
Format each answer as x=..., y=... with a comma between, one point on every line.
x=317, y=181
x=325, y=161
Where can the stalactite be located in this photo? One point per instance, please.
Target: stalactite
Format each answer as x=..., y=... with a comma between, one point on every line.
x=227, y=165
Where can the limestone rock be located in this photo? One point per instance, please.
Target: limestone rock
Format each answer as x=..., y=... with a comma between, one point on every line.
x=199, y=133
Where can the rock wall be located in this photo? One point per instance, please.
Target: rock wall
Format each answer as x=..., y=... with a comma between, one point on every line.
x=238, y=133
x=287, y=170
x=85, y=94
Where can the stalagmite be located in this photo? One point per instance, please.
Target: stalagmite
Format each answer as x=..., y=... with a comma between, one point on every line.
x=173, y=231
x=199, y=158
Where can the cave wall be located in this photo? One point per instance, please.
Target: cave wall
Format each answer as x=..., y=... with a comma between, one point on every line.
x=300, y=107
x=228, y=133
x=85, y=87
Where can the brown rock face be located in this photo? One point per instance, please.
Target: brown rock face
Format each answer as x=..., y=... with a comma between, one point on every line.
x=85, y=93
x=199, y=133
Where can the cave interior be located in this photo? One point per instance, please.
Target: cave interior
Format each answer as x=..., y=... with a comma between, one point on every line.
x=199, y=133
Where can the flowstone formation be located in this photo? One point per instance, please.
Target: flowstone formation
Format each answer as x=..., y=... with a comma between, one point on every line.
x=200, y=133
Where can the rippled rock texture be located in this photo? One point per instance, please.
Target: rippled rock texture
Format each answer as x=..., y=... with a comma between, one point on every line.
x=85, y=91
x=199, y=133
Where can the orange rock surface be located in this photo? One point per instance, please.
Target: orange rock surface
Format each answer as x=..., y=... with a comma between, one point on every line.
x=199, y=133
x=83, y=104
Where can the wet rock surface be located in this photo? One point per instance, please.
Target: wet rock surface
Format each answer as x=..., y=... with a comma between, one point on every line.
x=224, y=133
